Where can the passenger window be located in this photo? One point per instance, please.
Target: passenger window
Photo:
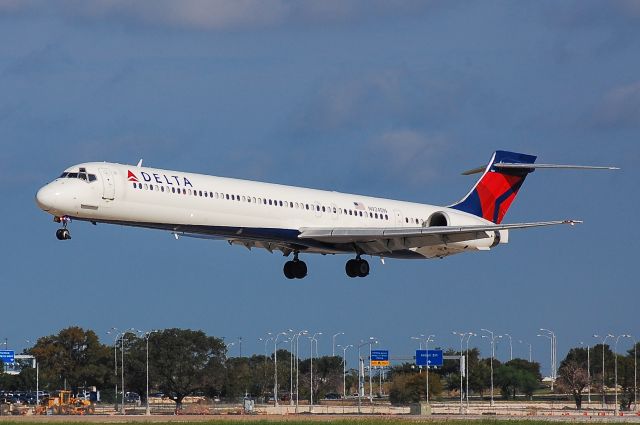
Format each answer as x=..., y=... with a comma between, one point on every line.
x=280, y=202
x=161, y=188
x=376, y=215
x=307, y=206
x=150, y=187
x=238, y=198
x=270, y=202
x=323, y=209
x=254, y=199
x=206, y=195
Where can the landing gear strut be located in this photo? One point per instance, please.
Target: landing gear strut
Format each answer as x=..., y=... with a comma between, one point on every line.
x=357, y=267
x=63, y=234
x=296, y=269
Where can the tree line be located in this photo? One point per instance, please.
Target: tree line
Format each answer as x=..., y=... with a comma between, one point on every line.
x=185, y=362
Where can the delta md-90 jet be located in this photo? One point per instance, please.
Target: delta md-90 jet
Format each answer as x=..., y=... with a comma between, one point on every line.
x=295, y=221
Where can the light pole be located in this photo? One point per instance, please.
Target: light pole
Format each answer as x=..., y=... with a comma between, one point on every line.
x=312, y=339
x=419, y=338
x=333, y=339
x=615, y=351
x=553, y=355
x=524, y=342
x=493, y=353
x=361, y=372
x=426, y=347
x=635, y=372
x=297, y=337
x=130, y=330
x=115, y=363
x=470, y=334
x=588, y=374
x=344, y=369
x=510, y=347
x=146, y=336
x=462, y=336
x=275, y=367
x=604, y=340
x=370, y=384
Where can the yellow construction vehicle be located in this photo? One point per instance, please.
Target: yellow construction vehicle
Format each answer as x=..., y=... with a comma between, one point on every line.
x=62, y=403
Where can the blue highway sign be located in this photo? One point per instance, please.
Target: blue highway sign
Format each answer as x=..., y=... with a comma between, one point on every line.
x=7, y=356
x=429, y=357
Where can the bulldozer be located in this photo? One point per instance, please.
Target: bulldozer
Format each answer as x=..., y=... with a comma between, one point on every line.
x=63, y=403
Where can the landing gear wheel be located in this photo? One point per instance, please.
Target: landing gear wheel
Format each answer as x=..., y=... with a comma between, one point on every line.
x=295, y=269
x=63, y=234
x=350, y=268
x=363, y=268
x=288, y=270
x=300, y=268
x=357, y=268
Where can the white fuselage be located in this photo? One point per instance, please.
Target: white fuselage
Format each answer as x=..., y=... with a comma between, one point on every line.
x=238, y=210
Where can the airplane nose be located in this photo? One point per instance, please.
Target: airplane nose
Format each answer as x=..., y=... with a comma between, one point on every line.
x=45, y=198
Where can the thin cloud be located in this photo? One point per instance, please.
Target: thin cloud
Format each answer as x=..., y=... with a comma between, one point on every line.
x=409, y=155
x=220, y=15
x=620, y=107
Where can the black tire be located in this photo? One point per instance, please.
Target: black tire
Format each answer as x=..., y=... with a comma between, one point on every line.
x=66, y=234
x=288, y=270
x=351, y=268
x=59, y=234
x=300, y=269
x=363, y=268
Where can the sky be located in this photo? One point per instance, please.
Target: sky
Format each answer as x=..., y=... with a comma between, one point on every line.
x=385, y=98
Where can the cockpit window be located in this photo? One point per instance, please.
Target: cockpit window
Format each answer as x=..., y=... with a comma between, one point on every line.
x=82, y=175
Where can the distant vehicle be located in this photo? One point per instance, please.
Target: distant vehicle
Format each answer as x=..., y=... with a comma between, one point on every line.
x=333, y=396
x=291, y=219
x=132, y=397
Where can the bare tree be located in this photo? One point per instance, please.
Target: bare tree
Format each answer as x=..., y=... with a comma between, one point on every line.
x=573, y=379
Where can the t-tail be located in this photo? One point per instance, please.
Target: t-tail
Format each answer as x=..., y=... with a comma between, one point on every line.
x=493, y=194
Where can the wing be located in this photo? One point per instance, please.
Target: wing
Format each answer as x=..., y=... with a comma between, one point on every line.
x=382, y=240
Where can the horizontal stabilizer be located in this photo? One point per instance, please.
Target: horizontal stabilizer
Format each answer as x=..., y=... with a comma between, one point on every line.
x=510, y=165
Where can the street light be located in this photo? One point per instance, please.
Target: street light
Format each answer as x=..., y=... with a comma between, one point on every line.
x=493, y=353
x=344, y=369
x=419, y=338
x=37, y=374
x=297, y=337
x=275, y=367
x=146, y=335
x=333, y=352
x=529, y=344
x=510, y=347
x=132, y=331
x=554, y=357
x=462, y=336
x=615, y=352
x=635, y=372
x=604, y=340
x=470, y=334
x=312, y=339
x=370, y=384
x=115, y=363
x=426, y=347
x=588, y=374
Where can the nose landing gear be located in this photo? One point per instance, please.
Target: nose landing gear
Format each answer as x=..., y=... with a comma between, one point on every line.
x=357, y=267
x=295, y=269
x=63, y=234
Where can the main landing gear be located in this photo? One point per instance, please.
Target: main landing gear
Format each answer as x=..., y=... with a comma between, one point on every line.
x=63, y=234
x=295, y=269
x=357, y=267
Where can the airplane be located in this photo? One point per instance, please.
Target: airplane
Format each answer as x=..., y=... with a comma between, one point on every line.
x=295, y=220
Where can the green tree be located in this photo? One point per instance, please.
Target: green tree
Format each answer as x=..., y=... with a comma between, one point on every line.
x=518, y=375
x=186, y=361
x=73, y=358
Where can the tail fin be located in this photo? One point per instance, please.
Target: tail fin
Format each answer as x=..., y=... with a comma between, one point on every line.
x=494, y=192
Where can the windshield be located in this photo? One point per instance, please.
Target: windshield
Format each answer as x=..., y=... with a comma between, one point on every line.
x=82, y=175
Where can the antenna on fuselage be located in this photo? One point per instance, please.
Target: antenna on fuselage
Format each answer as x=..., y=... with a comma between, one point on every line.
x=139, y=163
